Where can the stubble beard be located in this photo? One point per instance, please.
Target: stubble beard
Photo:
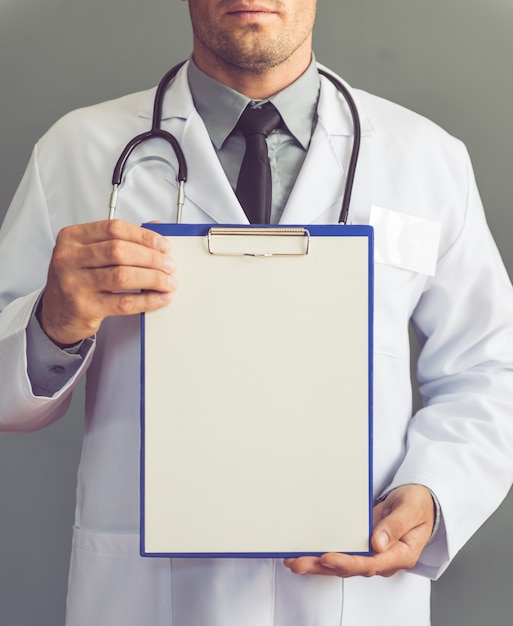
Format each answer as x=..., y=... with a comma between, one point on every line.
x=249, y=52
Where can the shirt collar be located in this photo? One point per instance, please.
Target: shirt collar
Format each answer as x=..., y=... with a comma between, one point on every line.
x=220, y=106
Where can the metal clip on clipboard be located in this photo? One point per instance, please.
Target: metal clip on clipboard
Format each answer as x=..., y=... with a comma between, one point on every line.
x=258, y=242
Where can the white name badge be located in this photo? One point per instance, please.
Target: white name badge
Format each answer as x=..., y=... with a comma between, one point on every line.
x=405, y=241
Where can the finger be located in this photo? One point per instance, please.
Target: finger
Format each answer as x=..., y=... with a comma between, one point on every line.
x=340, y=565
x=111, y=230
x=123, y=279
x=71, y=253
x=308, y=565
x=121, y=253
x=400, y=556
x=134, y=303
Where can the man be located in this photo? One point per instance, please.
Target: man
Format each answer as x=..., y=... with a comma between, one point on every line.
x=438, y=475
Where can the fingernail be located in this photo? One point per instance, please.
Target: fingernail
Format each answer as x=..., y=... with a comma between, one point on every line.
x=328, y=566
x=168, y=264
x=171, y=281
x=161, y=244
x=383, y=540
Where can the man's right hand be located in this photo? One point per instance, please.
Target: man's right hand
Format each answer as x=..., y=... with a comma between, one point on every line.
x=102, y=269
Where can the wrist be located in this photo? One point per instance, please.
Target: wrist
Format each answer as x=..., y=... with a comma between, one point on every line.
x=64, y=345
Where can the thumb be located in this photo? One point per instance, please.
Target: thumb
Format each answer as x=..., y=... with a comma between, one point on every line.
x=391, y=528
x=380, y=540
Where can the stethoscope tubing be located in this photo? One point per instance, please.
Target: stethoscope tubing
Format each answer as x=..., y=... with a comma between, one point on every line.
x=355, y=151
x=157, y=132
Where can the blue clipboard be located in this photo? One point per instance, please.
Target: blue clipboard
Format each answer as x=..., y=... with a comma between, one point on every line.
x=256, y=402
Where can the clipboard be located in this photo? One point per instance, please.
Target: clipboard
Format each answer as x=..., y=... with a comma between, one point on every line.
x=256, y=398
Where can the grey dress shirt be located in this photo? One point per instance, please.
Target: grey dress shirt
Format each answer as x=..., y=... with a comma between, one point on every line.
x=220, y=108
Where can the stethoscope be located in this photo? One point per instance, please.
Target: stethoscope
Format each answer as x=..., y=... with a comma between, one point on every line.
x=157, y=132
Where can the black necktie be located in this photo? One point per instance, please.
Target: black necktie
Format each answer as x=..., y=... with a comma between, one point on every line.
x=254, y=183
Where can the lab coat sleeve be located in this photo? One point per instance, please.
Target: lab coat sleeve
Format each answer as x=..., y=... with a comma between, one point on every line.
x=26, y=243
x=460, y=444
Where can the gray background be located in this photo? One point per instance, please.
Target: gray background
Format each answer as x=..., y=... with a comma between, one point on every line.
x=450, y=60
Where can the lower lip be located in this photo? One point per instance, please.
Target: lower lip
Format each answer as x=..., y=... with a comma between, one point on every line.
x=251, y=16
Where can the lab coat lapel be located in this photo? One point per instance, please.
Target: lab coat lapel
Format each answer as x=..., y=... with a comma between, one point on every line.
x=319, y=185
x=207, y=187
x=318, y=192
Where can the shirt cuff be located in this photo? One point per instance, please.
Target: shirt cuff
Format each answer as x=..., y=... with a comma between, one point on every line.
x=50, y=367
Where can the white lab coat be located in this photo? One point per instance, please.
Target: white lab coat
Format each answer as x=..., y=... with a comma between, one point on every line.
x=460, y=444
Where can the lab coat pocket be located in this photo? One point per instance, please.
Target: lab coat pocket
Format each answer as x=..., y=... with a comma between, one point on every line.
x=405, y=241
x=405, y=255
x=110, y=584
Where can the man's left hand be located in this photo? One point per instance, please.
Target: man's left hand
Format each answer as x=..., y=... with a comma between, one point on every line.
x=403, y=524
